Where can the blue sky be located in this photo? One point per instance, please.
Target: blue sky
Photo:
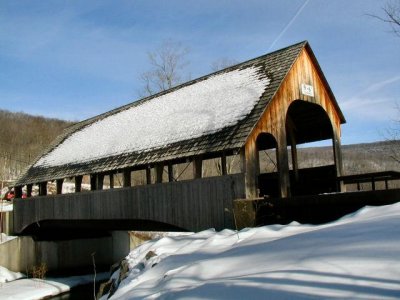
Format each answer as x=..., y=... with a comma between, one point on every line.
x=76, y=59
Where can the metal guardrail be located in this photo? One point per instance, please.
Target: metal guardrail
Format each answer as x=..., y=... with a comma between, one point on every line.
x=372, y=178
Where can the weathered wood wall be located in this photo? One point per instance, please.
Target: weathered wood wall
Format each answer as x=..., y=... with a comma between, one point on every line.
x=193, y=205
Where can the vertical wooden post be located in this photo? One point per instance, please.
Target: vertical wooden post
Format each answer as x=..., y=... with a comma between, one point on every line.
x=17, y=192
x=170, y=172
x=337, y=155
x=242, y=163
x=283, y=165
x=159, y=169
x=197, y=167
x=250, y=163
x=148, y=175
x=100, y=181
x=29, y=190
x=223, y=164
x=127, y=178
x=293, y=148
x=290, y=128
x=93, y=182
x=78, y=184
x=43, y=189
x=59, y=184
x=111, y=175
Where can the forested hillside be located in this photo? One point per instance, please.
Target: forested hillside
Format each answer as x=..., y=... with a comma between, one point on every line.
x=22, y=138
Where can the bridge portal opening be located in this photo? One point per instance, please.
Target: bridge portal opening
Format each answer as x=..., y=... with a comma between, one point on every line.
x=308, y=123
x=268, y=180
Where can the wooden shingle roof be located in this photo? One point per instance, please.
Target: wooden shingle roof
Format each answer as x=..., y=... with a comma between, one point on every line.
x=269, y=70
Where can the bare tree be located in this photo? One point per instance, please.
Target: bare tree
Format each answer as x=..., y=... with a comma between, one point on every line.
x=391, y=15
x=222, y=63
x=167, y=63
x=393, y=137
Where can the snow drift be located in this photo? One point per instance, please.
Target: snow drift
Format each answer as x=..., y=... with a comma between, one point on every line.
x=356, y=257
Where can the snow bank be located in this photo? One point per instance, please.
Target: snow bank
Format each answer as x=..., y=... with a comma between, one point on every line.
x=356, y=257
x=193, y=111
x=7, y=275
x=33, y=289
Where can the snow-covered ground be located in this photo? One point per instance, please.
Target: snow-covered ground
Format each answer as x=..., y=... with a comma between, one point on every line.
x=32, y=289
x=357, y=257
x=7, y=276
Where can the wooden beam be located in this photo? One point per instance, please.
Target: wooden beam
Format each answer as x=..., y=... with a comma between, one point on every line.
x=111, y=175
x=223, y=164
x=59, y=184
x=43, y=189
x=159, y=169
x=337, y=155
x=283, y=165
x=171, y=172
x=29, y=190
x=18, y=192
x=78, y=184
x=252, y=169
x=293, y=146
x=148, y=175
x=127, y=178
x=100, y=181
x=93, y=182
x=197, y=167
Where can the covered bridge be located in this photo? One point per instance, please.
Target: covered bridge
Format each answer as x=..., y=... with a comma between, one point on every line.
x=276, y=101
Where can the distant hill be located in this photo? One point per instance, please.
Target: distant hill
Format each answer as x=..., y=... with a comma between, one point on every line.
x=357, y=158
x=22, y=138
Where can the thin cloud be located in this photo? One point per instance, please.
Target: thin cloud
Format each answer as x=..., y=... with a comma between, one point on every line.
x=375, y=87
x=288, y=24
x=373, y=109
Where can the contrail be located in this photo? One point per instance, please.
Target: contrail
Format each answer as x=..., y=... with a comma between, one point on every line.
x=288, y=24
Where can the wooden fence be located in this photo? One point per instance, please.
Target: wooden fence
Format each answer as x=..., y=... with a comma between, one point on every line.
x=192, y=205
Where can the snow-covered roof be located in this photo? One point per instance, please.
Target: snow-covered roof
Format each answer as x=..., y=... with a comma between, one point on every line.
x=206, y=116
x=199, y=109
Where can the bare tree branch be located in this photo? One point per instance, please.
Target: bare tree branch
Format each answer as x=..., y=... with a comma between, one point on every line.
x=222, y=63
x=167, y=64
x=391, y=16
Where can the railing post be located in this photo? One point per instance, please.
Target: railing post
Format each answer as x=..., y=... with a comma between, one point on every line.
x=159, y=168
x=100, y=181
x=223, y=164
x=148, y=175
x=111, y=175
x=18, y=192
x=78, y=184
x=29, y=190
x=59, y=184
x=170, y=172
x=127, y=178
x=43, y=189
x=93, y=182
x=197, y=167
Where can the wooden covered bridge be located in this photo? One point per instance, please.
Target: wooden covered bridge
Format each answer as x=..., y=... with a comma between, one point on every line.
x=276, y=101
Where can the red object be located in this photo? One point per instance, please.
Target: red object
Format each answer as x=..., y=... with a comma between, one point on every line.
x=9, y=195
